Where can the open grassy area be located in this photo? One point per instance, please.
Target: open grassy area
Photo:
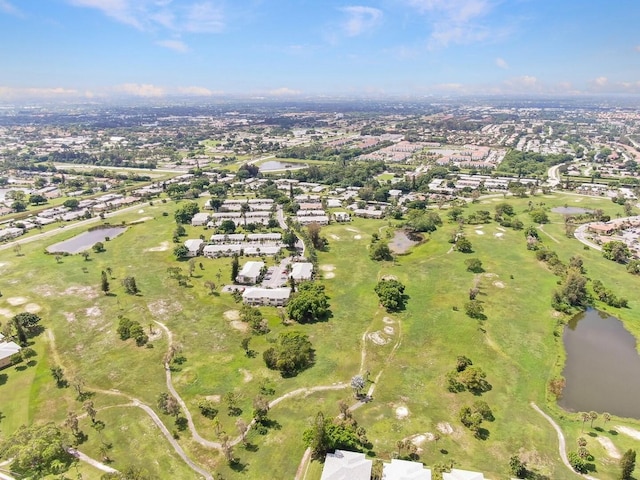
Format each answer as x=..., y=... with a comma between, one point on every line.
x=515, y=346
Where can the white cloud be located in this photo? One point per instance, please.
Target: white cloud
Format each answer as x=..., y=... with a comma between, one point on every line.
x=601, y=81
x=284, y=92
x=153, y=15
x=36, y=92
x=175, y=45
x=7, y=7
x=196, y=91
x=502, y=63
x=360, y=19
x=140, y=90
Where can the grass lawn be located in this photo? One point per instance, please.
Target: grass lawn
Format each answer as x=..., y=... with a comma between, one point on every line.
x=406, y=353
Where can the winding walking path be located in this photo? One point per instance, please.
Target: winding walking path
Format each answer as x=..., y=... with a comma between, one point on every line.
x=562, y=444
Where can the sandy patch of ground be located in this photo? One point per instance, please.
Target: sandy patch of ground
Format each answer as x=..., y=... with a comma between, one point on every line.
x=163, y=247
x=246, y=374
x=240, y=326
x=378, y=339
x=498, y=235
x=498, y=284
x=389, y=277
x=629, y=431
x=549, y=196
x=355, y=230
x=335, y=237
x=93, y=312
x=388, y=330
x=327, y=268
x=71, y=317
x=329, y=275
x=140, y=211
x=162, y=308
x=445, y=427
x=357, y=237
x=608, y=445
x=5, y=312
x=578, y=200
x=420, y=438
x=86, y=292
x=232, y=314
x=143, y=219
x=15, y=301
x=388, y=320
x=32, y=307
x=501, y=229
x=402, y=412
x=213, y=398
x=485, y=201
x=479, y=232
x=490, y=275
x=3, y=264
x=496, y=199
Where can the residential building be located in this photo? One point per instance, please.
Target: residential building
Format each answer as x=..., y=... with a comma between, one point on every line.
x=405, y=470
x=275, y=297
x=200, y=219
x=7, y=350
x=345, y=465
x=193, y=245
x=301, y=271
x=250, y=273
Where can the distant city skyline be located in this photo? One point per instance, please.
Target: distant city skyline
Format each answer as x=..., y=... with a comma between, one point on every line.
x=101, y=49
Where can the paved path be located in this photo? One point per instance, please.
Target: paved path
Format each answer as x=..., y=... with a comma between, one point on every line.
x=562, y=444
x=85, y=458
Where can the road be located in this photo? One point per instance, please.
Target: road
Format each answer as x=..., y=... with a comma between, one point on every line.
x=554, y=176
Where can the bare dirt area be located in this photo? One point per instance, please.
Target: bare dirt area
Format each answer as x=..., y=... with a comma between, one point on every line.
x=388, y=320
x=32, y=307
x=498, y=284
x=479, y=232
x=633, y=433
x=389, y=277
x=164, y=246
x=329, y=275
x=498, y=235
x=246, y=374
x=162, y=308
x=86, y=292
x=445, y=428
x=388, y=330
x=213, y=398
x=15, y=301
x=608, y=445
x=5, y=312
x=334, y=237
x=354, y=230
x=402, y=412
x=232, y=315
x=327, y=267
x=357, y=237
x=240, y=326
x=377, y=338
x=71, y=317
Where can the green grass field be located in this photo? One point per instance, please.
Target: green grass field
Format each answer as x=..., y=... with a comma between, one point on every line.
x=515, y=346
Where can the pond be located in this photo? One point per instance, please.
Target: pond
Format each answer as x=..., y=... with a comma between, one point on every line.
x=570, y=210
x=402, y=242
x=602, y=367
x=273, y=165
x=85, y=240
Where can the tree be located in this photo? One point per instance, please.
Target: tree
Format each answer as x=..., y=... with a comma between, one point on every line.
x=474, y=309
x=72, y=423
x=58, y=375
x=593, y=416
x=616, y=251
x=98, y=247
x=289, y=239
x=19, y=206
x=185, y=213
x=207, y=408
x=313, y=231
x=463, y=244
x=244, y=343
x=517, y=467
x=627, y=464
x=235, y=268
x=474, y=265
x=180, y=252
x=27, y=321
x=390, y=294
x=104, y=283
x=309, y=304
x=38, y=450
x=90, y=409
x=130, y=285
x=577, y=462
x=584, y=416
x=169, y=405
x=539, y=216
x=291, y=353
x=380, y=251
x=633, y=267
x=316, y=438
x=242, y=427
x=227, y=226
x=37, y=199
x=357, y=384
x=606, y=417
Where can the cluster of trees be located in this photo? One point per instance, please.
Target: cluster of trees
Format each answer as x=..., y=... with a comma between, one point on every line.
x=467, y=377
x=422, y=221
x=391, y=294
x=528, y=164
x=309, y=304
x=131, y=329
x=472, y=417
x=607, y=296
x=185, y=213
x=505, y=216
x=616, y=251
x=130, y=285
x=326, y=435
x=21, y=327
x=253, y=317
x=291, y=353
x=379, y=249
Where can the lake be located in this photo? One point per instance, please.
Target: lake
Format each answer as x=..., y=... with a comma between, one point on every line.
x=85, y=240
x=401, y=243
x=273, y=165
x=570, y=210
x=602, y=367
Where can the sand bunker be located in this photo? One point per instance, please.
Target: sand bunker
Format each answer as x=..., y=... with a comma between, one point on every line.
x=213, y=398
x=143, y=219
x=388, y=330
x=32, y=307
x=6, y=313
x=335, y=237
x=355, y=230
x=498, y=235
x=140, y=211
x=498, y=284
x=389, y=277
x=86, y=292
x=479, y=232
x=378, y=339
x=329, y=275
x=163, y=247
x=240, y=326
x=388, y=320
x=420, y=438
x=629, y=431
x=501, y=229
x=15, y=301
x=445, y=427
x=608, y=445
x=232, y=314
x=327, y=268
x=357, y=237
x=402, y=412
x=93, y=312
x=247, y=377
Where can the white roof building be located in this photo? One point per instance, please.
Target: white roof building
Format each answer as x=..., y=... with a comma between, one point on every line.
x=193, y=245
x=250, y=272
x=276, y=297
x=405, y=470
x=345, y=465
x=301, y=271
x=7, y=350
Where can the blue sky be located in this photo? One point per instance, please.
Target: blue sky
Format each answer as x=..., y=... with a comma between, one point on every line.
x=289, y=48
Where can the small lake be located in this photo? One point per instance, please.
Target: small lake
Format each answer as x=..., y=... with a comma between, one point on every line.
x=570, y=210
x=85, y=240
x=401, y=242
x=602, y=368
x=272, y=165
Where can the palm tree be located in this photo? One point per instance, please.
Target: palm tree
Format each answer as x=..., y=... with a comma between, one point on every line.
x=584, y=416
x=606, y=417
x=592, y=417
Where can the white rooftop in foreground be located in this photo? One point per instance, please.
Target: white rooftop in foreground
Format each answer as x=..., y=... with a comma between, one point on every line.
x=344, y=465
x=405, y=470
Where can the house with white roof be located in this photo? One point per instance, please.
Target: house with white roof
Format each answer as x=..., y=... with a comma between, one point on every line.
x=200, y=219
x=7, y=350
x=405, y=470
x=250, y=273
x=275, y=297
x=301, y=271
x=193, y=245
x=345, y=465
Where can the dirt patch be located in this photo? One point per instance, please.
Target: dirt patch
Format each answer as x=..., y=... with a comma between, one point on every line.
x=402, y=413
x=501, y=229
x=355, y=230
x=5, y=312
x=32, y=307
x=498, y=235
x=388, y=330
x=378, y=339
x=93, y=312
x=327, y=268
x=479, y=232
x=162, y=308
x=246, y=374
x=357, y=237
x=420, y=438
x=71, y=317
x=498, y=284
x=86, y=292
x=232, y=314
x=15, y=301
x=633, y=433
x=140, y=211
x=329, y=275
x=161, y=248
x=608, y=445
x=213, y=398
x=389, y=277
x=240, y=326
x=388, y=320
x=490, y=275
x=335, y=237
x=142, y=219
x=445, y=428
